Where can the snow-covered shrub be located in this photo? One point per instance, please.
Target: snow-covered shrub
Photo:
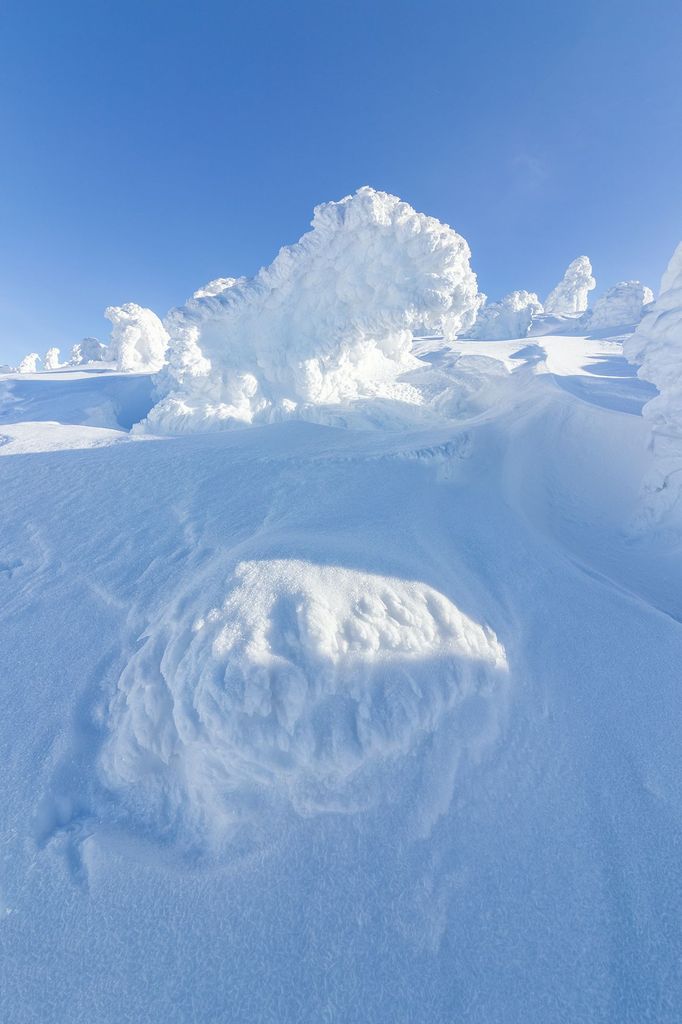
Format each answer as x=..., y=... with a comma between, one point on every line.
x=570, y=295
x=329, y=321
x=620, y=306
x=89, y=350
x=138, y=340
x=29, y=364
x=51, y=360
x=656, y=347
x=511, y=317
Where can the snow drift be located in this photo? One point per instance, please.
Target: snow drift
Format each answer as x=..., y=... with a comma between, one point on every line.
x=570, y=295
x=656, y=346
x=620, y=306
x=511, y=317
x=138, y=340
x=299, y=684
x=329, y=321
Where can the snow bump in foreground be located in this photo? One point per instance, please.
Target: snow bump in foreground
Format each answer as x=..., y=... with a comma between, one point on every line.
x=301, y=684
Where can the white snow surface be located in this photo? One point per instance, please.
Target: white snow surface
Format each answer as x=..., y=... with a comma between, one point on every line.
x=571, y=294
x=376, y=724
x=329, y=322
x=138, y=339
x=511, y=317
x=622, y=305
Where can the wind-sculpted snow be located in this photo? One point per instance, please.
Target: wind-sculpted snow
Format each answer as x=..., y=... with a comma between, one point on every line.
x=620, y=306
x=330, y=321
x=656, y=346
x=511, y=317
x=570, y=295
x=138, y=339
x=302, y=683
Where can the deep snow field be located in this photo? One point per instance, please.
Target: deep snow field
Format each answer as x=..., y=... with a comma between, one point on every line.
x=369, y=719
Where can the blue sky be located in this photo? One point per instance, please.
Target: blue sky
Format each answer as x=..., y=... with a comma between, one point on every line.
x=151, y=146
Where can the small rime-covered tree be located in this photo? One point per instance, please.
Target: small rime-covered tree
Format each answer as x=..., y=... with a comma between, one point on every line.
x=29, y=364
x=89, y=350
x=51, y=360
x=510, y=317
x=138, y=339
x=620, y=306
x=570, y=295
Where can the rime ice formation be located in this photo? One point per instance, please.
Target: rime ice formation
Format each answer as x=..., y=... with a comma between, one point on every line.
x=328, y=322
x=51, y=360
x=656, y=346
x=138, y=340
x=29, y=364
x=570, y=295
x=620, y=306
x=511, y=317
x=215, y=287
x=304, y=678
x=89, y=350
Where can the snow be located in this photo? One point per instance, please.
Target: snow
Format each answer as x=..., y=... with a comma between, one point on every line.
x=366, y=717
x=620, y=306
x=138, y=339
x=656, y=348
x=511, y=317
x=571, y=294
x=330, y=321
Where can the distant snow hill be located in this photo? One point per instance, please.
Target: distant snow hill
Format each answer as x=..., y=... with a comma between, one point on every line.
x=374, y=718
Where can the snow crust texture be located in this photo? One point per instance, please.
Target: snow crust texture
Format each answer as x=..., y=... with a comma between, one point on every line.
x=620, y=306
x=570, y=295
x=138, y=339
x=328, y=322
x=511, y=317
x=300, y=683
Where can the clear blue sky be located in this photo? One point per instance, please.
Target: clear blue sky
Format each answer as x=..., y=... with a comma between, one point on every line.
x=151, y=146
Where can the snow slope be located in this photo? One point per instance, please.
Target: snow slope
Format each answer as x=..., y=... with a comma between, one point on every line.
x=310, y=723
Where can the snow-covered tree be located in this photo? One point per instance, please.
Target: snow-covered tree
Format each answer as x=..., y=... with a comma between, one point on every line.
x=29, y=364
x=89, y=350
x=510, y=317
x=570, y=295
x=620, y=306
x=138, y=340
x=331, y=320
x=51, y=360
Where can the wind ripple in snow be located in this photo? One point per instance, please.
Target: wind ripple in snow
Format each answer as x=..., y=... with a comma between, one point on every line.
x=301, y=685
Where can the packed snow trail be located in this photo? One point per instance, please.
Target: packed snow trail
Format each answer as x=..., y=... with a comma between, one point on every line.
x=501, y=843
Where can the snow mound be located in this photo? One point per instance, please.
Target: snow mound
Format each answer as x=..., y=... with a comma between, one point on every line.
x=656, y=347
x=89, y=350
x=330, y=321
x=301, y=683
x=29, y=364
x=620, y=306
x=570, y=295
x=511, y=317
x=138, y=340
